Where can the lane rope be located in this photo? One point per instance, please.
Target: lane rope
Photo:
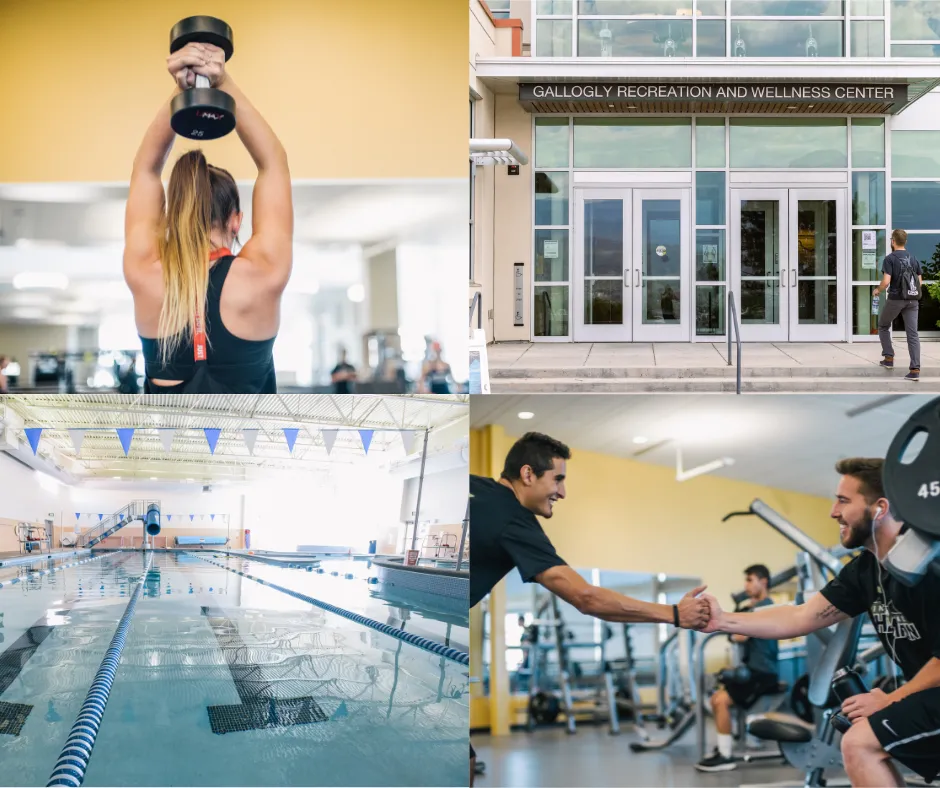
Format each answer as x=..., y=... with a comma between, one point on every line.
x=70, y=768
x=44, y=572
x=408, y=637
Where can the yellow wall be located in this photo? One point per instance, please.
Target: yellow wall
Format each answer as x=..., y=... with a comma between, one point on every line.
x=359, y=89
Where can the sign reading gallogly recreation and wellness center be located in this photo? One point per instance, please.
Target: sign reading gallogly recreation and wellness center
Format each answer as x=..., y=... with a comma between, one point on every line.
x=711, y=91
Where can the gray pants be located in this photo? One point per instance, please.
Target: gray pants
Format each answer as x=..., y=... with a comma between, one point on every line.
x=889, y=312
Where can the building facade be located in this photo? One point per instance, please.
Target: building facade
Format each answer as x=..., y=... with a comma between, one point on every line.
x=684, y=154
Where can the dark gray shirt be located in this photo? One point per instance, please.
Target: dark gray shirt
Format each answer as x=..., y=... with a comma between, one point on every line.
x=761, y=655
x=890, y=267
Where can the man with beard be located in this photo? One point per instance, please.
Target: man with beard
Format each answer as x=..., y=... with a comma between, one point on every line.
x=903, y=725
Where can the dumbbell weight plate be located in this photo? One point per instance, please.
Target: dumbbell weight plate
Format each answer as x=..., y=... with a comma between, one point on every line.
x=914, y=489
x=799, y=699
x=202, y=30
x=202, y=114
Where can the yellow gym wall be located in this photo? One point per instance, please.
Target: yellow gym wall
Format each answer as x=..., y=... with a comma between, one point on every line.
x=624, y=515
x=358, y=89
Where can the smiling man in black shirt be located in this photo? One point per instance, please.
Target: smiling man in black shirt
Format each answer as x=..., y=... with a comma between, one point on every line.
x=904, y=724
x=506, y=535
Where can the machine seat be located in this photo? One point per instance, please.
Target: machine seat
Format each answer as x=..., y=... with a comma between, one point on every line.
x=774, y=726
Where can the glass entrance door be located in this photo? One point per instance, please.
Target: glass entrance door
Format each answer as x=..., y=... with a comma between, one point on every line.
x=602, y=307
x=632, y=278
x=787, y=274
x=817, y=254
x=759, y=254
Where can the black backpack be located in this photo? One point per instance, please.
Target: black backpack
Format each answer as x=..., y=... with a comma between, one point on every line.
x=908, y=285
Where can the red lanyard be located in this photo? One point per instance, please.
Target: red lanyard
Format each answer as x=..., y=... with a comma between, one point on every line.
x=199, y=331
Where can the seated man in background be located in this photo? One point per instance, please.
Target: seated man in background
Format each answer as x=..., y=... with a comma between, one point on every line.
x=743, y=687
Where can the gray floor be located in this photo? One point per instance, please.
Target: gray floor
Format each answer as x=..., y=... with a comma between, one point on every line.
x=592, y=757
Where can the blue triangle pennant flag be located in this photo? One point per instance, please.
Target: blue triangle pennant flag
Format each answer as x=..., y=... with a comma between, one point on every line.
x=99, y=517
x=366, y=436
x=32, y=435
x=78, y=515
x=212, y=517
x=191, y=517
x=126, y=434
x=212, y=437
x=291, y=434
x=169, y=517
x=122, y=518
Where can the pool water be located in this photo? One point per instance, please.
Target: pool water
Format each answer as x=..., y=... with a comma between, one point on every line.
x=224, y=681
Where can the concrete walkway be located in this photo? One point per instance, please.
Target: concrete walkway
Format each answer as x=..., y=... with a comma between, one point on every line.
x=765, y=367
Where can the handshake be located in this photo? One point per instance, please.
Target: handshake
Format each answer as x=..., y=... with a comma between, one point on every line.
x=699, y=611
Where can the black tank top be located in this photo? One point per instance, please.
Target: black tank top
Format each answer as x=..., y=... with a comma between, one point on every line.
x=233, y=365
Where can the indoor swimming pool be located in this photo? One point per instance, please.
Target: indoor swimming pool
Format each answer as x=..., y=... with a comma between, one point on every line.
x=224, y=680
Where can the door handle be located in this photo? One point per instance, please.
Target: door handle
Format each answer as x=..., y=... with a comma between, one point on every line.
x=626, y=277
x=793, y=278
x=637, y=283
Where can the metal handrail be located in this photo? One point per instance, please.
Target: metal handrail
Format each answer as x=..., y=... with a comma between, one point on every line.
x=135, y=510
x=476, y=300
x=737, y=334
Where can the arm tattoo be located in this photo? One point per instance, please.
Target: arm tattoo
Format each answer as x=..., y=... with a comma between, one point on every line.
x=831, y=611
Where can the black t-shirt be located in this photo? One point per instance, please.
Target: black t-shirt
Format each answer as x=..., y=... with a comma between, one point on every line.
x=342, y=386
x=909, y=627
x=504, y=535
x=890, y=267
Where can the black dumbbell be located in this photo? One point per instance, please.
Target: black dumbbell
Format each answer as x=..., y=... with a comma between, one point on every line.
x=202, y=112
x=846, y=683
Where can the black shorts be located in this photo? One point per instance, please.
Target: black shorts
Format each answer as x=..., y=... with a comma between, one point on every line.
x=909, y=731
x=745, y=694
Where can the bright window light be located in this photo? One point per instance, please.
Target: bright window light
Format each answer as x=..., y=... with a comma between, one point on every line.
x=356, y=293
x=31, y=280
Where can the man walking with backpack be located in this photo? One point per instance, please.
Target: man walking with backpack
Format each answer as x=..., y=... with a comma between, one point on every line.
x=903, y=280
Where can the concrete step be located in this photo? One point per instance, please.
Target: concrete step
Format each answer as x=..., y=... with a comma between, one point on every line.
x=768, y=385
x=870, y=371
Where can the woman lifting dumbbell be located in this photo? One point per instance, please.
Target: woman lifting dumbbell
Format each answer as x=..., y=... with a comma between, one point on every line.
x=207, y=318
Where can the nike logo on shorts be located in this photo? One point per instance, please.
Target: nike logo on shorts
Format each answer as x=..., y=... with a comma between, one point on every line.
x=885, y=723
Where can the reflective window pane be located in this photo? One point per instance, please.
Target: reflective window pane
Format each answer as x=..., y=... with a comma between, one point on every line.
x=914, y=205
x=760, y=302
x=866, y=262
x=868, y=142
x=551, y=142
x=868, y=39
x=661, y=239
x=711, y=38
x=712, y=7
x=603, y=302
x=550, y=311
x=710, y=142
x=915, y=50
x=787, y=7
x=662, y=302
x=550, y=7
x=791, y=143
x=634, y=38
x=760, y=262
x=928, y=318
x=551, y=198
x=709, y=198
x=603, y=238
x=710, y=304
x=818, y=302
x=915, y=20
x=868, y=198
x=817, y=236
x=926, y=248
x=864, y=320
x=551, y=255
x=671, y=8
x=867, y=7
x=553, y=38
x=915, y=154
x=786, y=38
x=641, y=143
x=710, y=255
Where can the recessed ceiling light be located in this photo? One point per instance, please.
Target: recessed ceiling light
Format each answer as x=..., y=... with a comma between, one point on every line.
x=792, y=106
x=631, y=106
x=641, y=439
x=153, y=478
x=661, y=577
x=526, y=415
x=116, y=478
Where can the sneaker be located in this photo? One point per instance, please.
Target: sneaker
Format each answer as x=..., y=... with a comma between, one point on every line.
x=914, y=374
x=888, y=361
x=716, y=762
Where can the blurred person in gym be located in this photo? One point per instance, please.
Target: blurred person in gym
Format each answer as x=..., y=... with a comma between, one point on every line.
x=755, y=677
x=343, y=375
x=506, y=535
x=207, y=318
x=4, y=380
x=435, y=372
x=903, y=725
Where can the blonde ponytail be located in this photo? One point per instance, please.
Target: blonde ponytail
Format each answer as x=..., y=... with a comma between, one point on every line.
x=184, y=251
